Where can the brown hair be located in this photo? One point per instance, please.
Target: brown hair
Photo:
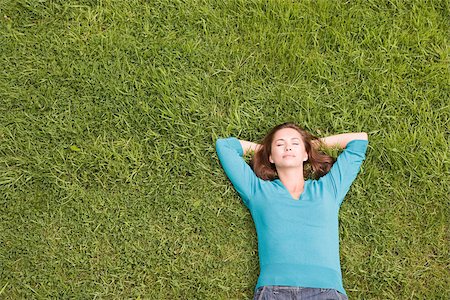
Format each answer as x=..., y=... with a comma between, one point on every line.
x=319, y=162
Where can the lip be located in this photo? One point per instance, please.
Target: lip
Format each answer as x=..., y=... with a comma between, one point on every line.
x=288, y=155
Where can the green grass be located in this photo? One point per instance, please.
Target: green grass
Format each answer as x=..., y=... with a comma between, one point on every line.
x=110, y=186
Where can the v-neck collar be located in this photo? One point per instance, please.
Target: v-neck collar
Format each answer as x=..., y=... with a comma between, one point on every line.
x=278, y=181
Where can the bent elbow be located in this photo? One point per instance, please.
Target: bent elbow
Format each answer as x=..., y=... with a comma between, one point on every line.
x=220, y=142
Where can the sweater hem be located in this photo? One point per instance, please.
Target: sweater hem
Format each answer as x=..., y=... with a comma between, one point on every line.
x=299, y=275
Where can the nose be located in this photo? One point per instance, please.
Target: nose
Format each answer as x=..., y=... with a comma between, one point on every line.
x=288, y=148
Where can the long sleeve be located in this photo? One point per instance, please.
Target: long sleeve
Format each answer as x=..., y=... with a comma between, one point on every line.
x=344, y=170
x=244, y=180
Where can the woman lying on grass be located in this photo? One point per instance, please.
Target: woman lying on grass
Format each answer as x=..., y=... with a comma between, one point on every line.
x=296, y=220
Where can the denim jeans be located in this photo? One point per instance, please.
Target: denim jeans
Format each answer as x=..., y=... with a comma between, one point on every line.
x=277, y=292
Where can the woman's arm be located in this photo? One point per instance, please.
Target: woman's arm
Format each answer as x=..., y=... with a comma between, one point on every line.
x=230, y=154
x=249, y=146
x=341, y=140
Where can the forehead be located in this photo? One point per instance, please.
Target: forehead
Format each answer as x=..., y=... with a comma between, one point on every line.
x=287, y=134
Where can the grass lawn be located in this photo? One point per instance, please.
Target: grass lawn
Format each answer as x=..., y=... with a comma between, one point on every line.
x=109, y=111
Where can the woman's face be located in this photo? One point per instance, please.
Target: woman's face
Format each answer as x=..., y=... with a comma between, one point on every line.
x=288, y=149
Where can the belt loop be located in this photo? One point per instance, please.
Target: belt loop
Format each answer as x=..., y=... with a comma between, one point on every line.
x=262, y=293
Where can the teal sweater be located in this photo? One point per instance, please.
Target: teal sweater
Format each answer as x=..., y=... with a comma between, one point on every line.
x=298, y=240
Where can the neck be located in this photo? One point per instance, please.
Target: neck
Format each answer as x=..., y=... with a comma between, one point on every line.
x=292, y=178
